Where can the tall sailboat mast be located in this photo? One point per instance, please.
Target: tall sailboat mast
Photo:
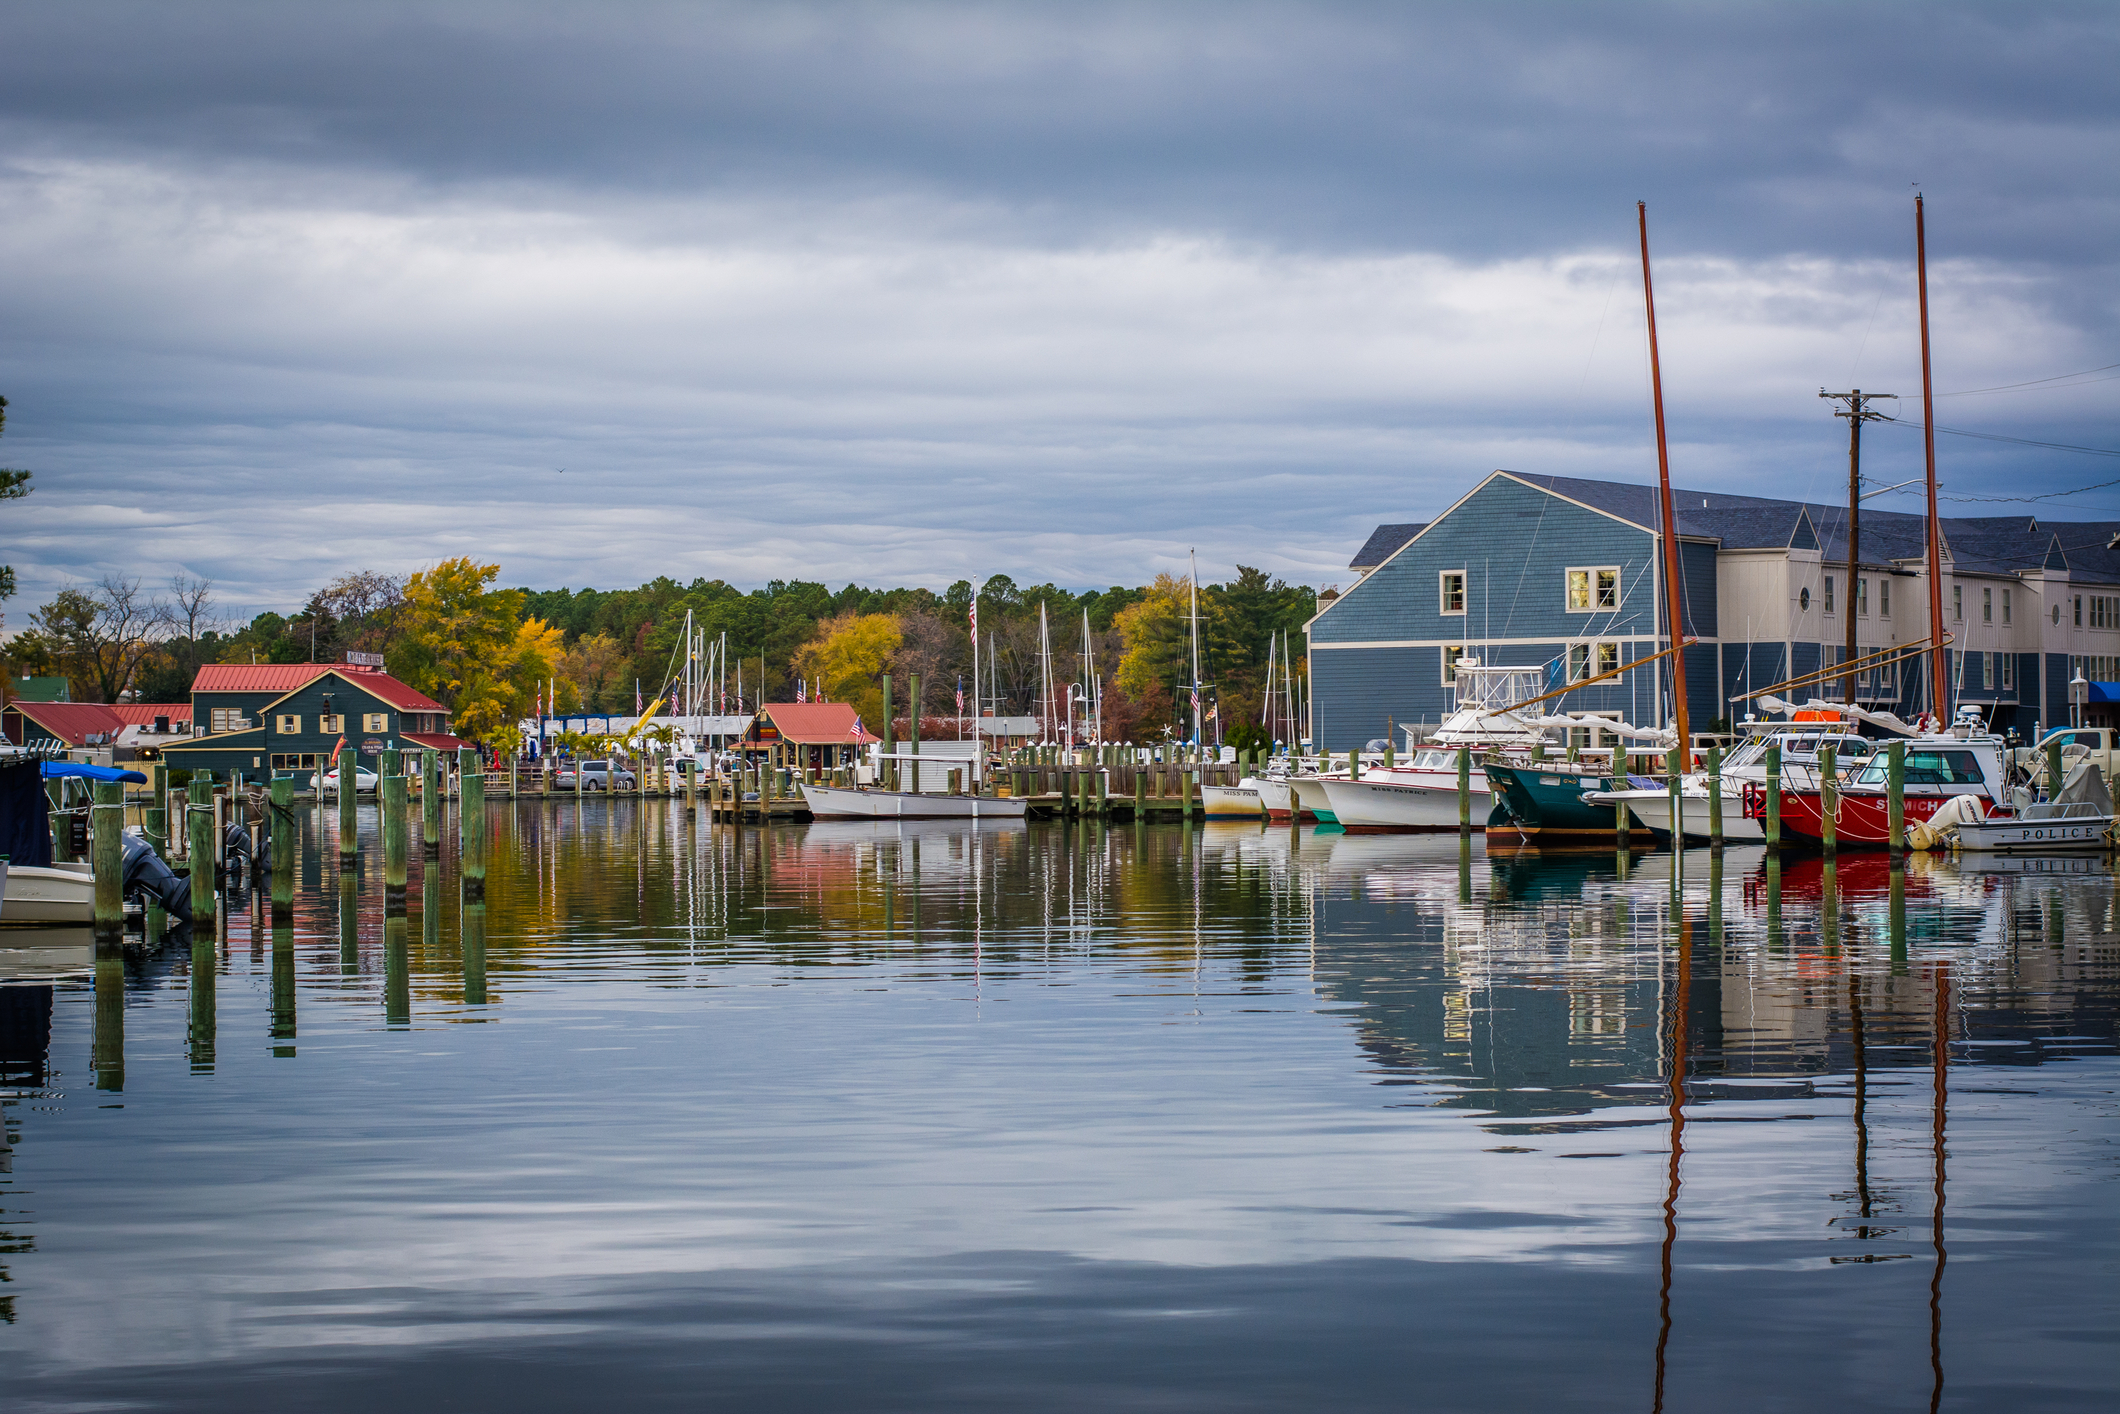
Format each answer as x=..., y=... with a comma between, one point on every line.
x=1045, y=674
x=1195, y=561
x=1939, y=656
x=1673, y=586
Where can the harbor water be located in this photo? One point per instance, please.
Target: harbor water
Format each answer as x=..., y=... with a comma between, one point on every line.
x=1066, y=1116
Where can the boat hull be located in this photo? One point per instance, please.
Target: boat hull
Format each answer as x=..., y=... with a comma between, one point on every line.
x=1860, y=822
x=1241, y=802
x=1385, y=803
x=1310, y=798
x=1275, y=794
x=1549, y=806
x=2011, y=836
x=1653, y=809
x=841, y=803
x=48, y=895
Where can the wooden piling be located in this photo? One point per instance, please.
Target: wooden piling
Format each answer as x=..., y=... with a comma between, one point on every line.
x=106, y=857
x=286, y=844
x=1715, y=804
x=1774, y=800
x=1464, y=790
x=349, y=803
x=471, y=826
x=198, y=823
x=431, y=802
x=1828, y=800
x=390, y=795
x=1895, y=797
x=912, y=744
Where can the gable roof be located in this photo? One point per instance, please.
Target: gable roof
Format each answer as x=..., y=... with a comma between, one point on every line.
x=143, y=714
x=817, y=723
x=284, y=678
x=1384, y=542
x=71, y=722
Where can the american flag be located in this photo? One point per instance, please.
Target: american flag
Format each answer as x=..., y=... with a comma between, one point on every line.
x=802, y=689
x=1196, y=699
x=975, y=617
x=960, y=681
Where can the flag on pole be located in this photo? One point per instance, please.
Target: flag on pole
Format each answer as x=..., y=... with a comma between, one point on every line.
x=960, y=696
x=337, y=747
x=1196, y=699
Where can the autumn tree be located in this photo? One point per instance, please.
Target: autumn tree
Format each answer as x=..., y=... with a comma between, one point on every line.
x=467, y=646
x=100, y=635
x=848, y=659
x=589, y=670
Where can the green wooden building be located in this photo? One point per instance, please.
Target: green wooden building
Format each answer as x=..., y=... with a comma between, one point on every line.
x=258, y=720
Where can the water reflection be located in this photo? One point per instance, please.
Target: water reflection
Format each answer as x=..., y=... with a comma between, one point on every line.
x=1605, y=1123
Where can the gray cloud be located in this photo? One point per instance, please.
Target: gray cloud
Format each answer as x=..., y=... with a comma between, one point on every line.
x=909, y=292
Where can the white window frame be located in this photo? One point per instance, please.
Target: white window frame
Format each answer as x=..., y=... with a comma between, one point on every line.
x=1592, y=588
x=1451, y=653
x=1987, y=672
x=1987, y=603
x=1884, y=596
x=1597, y=655
x=1442, y=593
x=1862, y=595
x=1829, y=594
x=2009, y=666
x=2005, y=604
x=1957, y=603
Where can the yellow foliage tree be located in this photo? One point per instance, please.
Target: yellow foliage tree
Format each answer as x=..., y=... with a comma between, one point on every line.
x=1158, y=643
x=587, y=668
x=467, y=646
x=847, y=658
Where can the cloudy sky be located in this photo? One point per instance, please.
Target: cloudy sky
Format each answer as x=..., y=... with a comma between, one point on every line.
x=909, y=293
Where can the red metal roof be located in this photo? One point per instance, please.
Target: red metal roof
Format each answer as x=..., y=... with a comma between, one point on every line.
x=287, y=677
x=439, y=741
x=143, y=714
x=818, y=723
x=71, y=722
x=257, y=677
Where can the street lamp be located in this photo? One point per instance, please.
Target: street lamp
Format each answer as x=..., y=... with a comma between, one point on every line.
x=2079, y=693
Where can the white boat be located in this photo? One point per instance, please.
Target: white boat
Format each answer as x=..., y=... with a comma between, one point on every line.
x=1276, y=795
x=1309, y=793
x=2079, y=820
x=1653, y=808
x=58, y=893
x=1243, y=801
x=1413, y=799
x=844, y=803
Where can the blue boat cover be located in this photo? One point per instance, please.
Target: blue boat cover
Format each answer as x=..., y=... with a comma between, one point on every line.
x=55, y=769
x=25, y=816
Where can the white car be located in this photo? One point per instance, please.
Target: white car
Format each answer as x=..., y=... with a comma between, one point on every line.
x=363, y=780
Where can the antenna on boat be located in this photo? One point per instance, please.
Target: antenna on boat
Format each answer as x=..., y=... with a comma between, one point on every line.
x=1672, y=589
x=1939, y=659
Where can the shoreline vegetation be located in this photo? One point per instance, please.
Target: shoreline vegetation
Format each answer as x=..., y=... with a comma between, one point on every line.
x=493, y=654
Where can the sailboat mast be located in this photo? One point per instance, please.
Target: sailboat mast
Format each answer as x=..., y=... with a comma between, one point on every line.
x=1195, y=560
x=1672, y=584
x=1045, y=675
x=1939, y=656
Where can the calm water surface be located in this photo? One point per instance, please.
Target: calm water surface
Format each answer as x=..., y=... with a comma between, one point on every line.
x=1056, y=1117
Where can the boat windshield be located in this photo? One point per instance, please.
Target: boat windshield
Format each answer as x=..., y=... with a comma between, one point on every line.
x=1434, y=760
x=1930, y=768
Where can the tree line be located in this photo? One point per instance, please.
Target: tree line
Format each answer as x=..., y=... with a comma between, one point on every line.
x=493, y=654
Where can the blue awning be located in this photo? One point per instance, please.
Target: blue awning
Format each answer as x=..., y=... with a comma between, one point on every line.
x=2104, y=692
x=55, y=769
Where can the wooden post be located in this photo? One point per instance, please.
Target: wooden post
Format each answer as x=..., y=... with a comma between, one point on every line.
x=198, y=823
x=1354, y=763
x=1140, y=793
x=106, y=856
x=1715, y=813
x=471, y=827
x=349, y=802
x=1828, y=799
x=1774, y=800
x=1464, y=790
x=1673, y=759
x=912, y=734
x=431, y=801
x=1895, y=797
x=390, y=799
x=286, y=843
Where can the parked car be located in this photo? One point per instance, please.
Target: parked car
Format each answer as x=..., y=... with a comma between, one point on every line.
x=593, y=776
x=363, y=780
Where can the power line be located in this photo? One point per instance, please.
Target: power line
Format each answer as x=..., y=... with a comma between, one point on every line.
x=2033, y=383
x=2019, y=441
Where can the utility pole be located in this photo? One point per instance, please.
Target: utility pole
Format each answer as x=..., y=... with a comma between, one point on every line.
x=1857, y=412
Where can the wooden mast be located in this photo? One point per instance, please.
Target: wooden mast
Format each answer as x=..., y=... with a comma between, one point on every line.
x=1939, y=655
x=1673, y=592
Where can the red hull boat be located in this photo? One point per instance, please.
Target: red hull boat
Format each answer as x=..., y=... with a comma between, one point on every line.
x=1859, y=824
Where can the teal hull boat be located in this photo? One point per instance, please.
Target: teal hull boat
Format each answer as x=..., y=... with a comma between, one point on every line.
x=1544, y=802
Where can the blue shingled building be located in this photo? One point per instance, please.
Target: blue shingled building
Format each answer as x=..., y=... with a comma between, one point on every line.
x=1565, y=574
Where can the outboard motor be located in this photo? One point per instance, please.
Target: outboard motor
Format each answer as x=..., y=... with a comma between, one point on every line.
x=146, y=876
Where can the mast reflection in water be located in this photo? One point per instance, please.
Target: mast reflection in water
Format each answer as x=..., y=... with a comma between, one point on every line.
x=1061, y=1116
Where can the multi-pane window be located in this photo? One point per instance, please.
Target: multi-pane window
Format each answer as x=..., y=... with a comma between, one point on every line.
x=1862, y=595
x=1593, y=590
x=1958, y=602
x=2096, y=668
x=1987, y=670
x=287, y=724
x=2079, y=611
x=2009, y=662
x=1607, y=657
x=332, y=723
x=1588, y=660
x=1578, y=661
x=291, y=761
x=1453, y=591
x=2005, y=606
x=1451, y=653
x=1987, y=606
x=2105, y=611
x=376, y=722
x=1829, y=594
x=228, y=719
x=1884, y=598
